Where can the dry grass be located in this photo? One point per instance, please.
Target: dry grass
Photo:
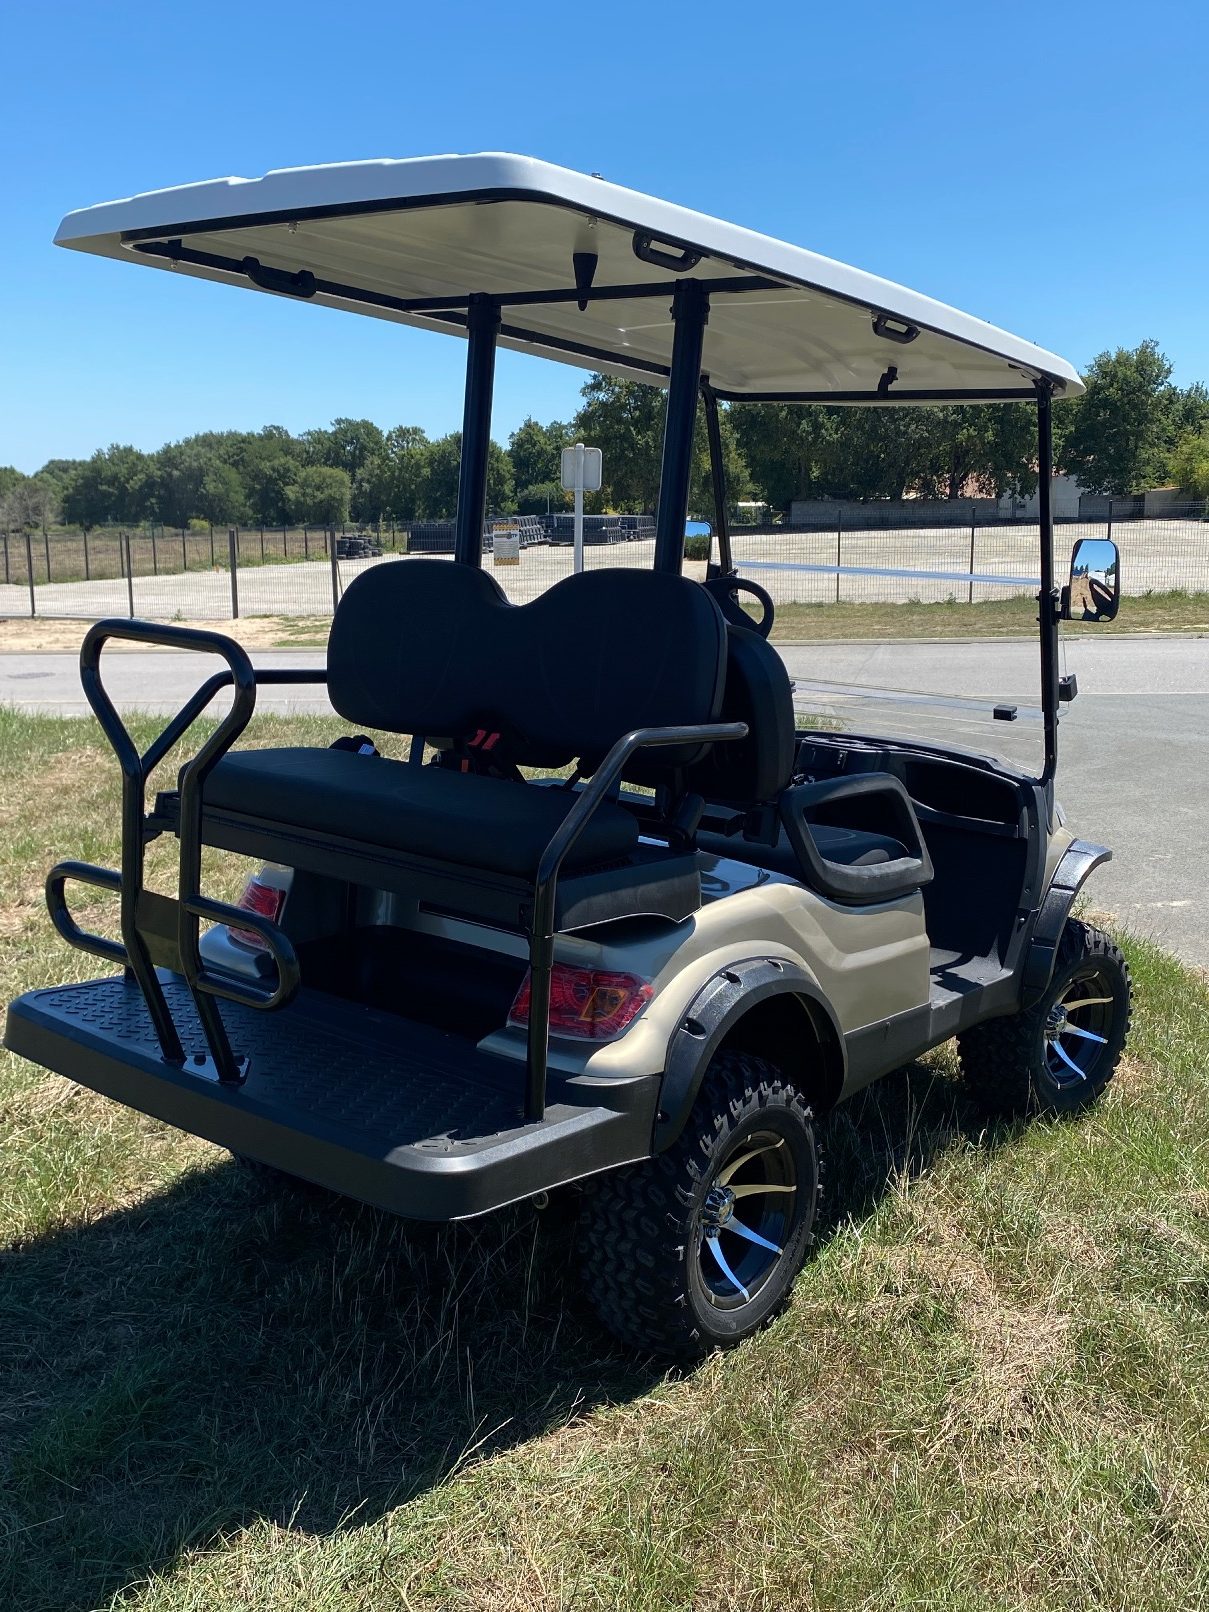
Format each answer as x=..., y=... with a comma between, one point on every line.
x=1174, y=612
x=992, y=1388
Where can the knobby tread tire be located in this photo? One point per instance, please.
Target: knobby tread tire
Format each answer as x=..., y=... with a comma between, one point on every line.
x=637, y=1225
x=1002, y=1061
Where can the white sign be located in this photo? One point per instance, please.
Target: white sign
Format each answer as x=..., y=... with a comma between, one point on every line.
x=591, y=462
x=581, y=473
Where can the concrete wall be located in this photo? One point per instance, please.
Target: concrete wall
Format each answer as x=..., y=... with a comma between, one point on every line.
x=854, y=513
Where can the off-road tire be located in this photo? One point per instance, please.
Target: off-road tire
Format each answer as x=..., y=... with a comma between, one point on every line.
x=1004, y=1061
x=641, y=1228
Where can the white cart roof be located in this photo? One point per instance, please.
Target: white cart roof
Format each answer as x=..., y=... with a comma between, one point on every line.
x=378, y=237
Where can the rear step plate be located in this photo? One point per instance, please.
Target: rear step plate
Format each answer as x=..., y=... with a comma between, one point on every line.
x=384, y=1109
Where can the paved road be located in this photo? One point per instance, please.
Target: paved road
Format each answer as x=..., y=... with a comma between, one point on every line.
x=1134, y=768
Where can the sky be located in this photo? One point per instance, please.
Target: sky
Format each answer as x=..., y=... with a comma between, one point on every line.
x=1041, y=165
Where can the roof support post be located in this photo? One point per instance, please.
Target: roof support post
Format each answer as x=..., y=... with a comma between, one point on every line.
x=717, y=476
x=482, y=324
x=1048, y=600
x=690, y=315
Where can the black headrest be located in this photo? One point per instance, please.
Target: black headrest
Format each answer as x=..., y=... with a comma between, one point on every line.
x=433, y=647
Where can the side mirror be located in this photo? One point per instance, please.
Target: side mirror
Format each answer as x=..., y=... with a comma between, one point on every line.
x=1094, y=590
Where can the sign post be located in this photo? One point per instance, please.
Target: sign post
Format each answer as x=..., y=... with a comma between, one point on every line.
x=581, y=469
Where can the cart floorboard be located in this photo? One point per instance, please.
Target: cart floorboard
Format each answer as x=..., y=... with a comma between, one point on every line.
x=382, y=1108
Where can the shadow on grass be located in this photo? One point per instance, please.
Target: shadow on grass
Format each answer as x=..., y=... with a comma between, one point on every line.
x=234, y=1350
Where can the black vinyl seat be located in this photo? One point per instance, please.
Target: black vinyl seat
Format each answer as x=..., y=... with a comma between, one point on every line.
x=747, y=786
x=488, y=823
x=849, y=847
x=434, y=649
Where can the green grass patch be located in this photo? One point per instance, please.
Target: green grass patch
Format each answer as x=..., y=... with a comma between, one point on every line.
x=1174, y=611
x=991, y=1390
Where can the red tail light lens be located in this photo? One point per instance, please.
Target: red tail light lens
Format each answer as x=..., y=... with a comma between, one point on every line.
x=591, y=1004
x=264, y=899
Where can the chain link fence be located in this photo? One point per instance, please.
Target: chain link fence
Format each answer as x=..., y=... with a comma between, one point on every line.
x=199, y=575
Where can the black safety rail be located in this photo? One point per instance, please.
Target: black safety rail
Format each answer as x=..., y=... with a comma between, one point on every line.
x=157, y=931
x=542, y=932
x=160, y=932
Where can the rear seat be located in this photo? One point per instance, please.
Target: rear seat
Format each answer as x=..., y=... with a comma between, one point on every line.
x=477, y=822
x=434, y=649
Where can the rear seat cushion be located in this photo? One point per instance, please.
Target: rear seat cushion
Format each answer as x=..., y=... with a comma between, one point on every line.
x=478, y=822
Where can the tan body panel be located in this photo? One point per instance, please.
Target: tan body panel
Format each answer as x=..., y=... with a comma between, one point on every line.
x=869, y=963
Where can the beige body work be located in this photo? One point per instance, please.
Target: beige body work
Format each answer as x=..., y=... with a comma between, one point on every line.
x=869, y=964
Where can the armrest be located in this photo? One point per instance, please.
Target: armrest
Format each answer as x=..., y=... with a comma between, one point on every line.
x=886, y=881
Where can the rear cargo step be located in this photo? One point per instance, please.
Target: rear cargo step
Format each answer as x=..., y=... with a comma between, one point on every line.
x=367, y=1103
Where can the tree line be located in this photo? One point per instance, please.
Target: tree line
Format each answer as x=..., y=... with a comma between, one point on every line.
x=1132, y=429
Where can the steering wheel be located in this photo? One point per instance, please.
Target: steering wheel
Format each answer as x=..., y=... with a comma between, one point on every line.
x=726, y=590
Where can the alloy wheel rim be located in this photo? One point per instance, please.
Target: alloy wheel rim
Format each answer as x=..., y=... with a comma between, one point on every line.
x=1077, y=1028
x=746, y=1220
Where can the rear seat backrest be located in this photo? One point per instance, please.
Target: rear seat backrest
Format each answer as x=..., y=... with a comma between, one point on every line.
x=435, y=648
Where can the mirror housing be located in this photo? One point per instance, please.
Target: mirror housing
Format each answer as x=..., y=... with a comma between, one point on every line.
x=1094, y=590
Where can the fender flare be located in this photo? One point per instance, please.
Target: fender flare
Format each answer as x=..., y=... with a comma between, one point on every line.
x=717, y=1007
x=1078, y=861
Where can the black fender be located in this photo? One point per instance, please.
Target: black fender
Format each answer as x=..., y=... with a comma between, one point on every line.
x=714, y=1011
x=1078, y=860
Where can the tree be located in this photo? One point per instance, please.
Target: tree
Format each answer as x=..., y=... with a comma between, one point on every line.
x=985, y=450
x=318, y=496
x=1120, y=432
x=28, y=501
x=178, y=477
x=346, y=445
x=268, y=475
x=9, y=478
x=438, y=496
x=542, y=498
x=1189, y=465
x=536, y=452
x=625, y=419
x=782, y=446
x=389, y=485
x=222, y=501
x=115, y=485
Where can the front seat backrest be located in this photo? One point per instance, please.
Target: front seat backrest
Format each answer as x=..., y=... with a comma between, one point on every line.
x=754, y=770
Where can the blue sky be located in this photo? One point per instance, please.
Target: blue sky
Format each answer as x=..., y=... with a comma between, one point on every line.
x=1041, y=165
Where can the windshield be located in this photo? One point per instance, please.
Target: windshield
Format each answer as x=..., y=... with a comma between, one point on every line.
x=912, y=628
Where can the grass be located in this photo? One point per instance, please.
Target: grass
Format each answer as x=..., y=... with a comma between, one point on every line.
x=991, y=1390
x=1174, y=611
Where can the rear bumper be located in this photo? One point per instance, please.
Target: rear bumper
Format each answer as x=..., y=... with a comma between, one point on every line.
x=362, y=1102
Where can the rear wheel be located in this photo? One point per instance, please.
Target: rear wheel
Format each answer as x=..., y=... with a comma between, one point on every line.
x=1057, y=1056
x=698, y=1248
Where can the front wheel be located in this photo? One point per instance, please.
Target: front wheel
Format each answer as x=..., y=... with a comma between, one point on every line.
x=1057, y=1056
x=698, y=1248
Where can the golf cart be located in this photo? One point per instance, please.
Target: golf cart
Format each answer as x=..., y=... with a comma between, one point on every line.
x=613, y=922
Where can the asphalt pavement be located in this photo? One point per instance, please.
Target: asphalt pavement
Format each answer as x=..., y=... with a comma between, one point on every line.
x=1134, y=746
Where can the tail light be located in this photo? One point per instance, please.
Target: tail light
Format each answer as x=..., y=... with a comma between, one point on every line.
x=265, y=895
x=590, y=1004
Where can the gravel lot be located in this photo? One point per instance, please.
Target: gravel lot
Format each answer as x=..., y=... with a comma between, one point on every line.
x=793, y=566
